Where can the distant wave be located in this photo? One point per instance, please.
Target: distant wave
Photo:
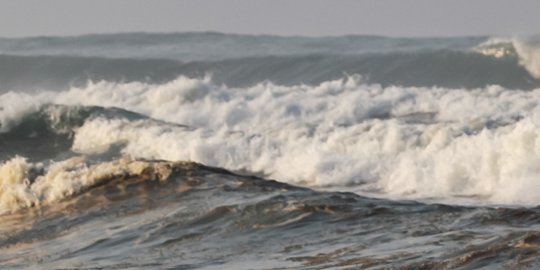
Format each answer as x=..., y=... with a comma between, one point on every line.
x=211, y=46
x=526, y=50
x=244, y=60
x=451, y=69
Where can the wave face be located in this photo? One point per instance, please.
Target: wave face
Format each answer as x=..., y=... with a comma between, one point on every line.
x=526, y=50
x=157, y=150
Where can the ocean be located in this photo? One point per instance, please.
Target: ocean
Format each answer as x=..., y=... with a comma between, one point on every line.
x=223, y=151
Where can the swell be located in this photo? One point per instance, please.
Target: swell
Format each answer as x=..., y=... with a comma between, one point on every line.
x=451, y=69
x=212, y=46
x=61, y=72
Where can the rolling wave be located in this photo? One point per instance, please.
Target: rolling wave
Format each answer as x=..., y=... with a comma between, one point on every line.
x=451, y=69
x=242, y=60
x=467, y=146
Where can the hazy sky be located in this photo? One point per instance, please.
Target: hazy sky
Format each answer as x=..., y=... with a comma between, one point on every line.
x=282, y=17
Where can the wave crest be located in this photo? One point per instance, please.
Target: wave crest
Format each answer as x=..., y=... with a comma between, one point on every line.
x=527, y=50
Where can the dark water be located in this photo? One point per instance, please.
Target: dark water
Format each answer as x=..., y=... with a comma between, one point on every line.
x=434, y=68
x=156, y=151
x=202, y=217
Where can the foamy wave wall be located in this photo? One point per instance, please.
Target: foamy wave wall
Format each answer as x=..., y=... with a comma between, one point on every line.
x=479, y=145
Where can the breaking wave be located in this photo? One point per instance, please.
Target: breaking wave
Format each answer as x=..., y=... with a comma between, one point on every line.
x=473, y=146
x=526, y=50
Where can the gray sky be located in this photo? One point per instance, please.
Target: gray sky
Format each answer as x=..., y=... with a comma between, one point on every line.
x=281, y=17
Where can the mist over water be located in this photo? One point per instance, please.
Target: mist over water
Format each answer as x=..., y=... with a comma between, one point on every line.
x=156, y=150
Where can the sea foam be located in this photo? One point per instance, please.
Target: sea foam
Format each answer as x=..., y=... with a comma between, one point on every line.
x=457, y=145
x=25, y=184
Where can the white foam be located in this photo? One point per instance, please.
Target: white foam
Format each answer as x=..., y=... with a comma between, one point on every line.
x=62, y=179
x=419, y=143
